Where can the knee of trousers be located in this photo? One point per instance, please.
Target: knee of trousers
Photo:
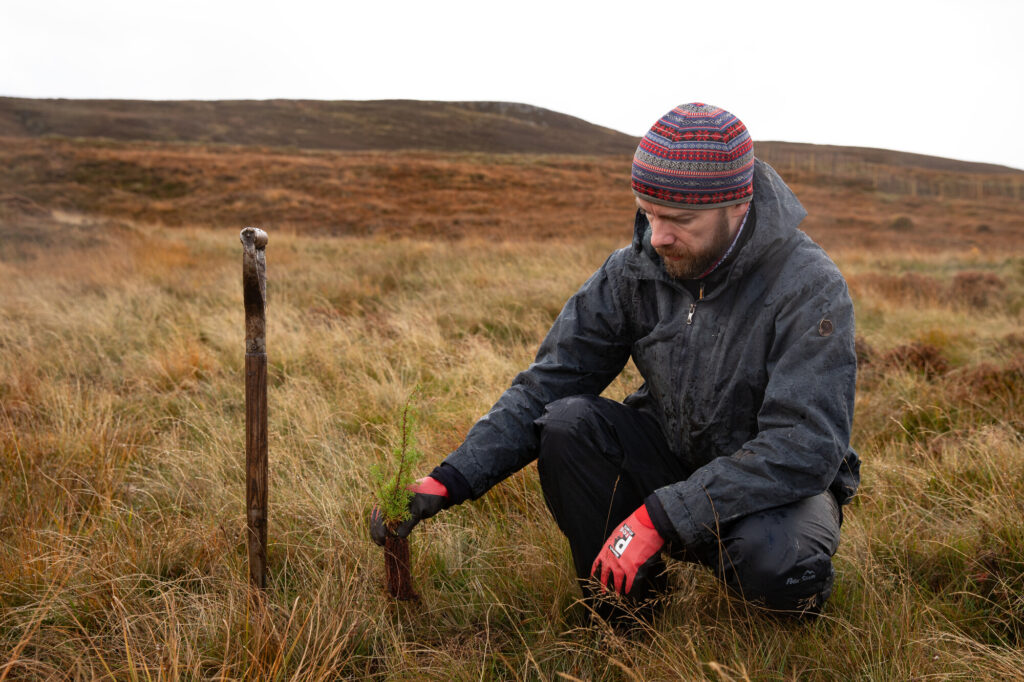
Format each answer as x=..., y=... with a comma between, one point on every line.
x=566, y=428
x=779, y=574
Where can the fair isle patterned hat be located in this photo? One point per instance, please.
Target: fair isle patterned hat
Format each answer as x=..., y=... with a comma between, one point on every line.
x=695, y=156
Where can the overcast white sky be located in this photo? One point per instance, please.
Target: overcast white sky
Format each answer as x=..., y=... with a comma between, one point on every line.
x=937, y=77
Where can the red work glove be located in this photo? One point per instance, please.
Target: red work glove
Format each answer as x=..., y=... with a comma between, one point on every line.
x=626, y=550
x=429, y=499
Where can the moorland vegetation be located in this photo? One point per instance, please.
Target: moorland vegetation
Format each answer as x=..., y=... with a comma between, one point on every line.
x=122, y=548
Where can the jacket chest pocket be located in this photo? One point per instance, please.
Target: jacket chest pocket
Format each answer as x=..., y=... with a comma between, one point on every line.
x=661, y=349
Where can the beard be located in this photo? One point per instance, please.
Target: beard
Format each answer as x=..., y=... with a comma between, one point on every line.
x=693, y=264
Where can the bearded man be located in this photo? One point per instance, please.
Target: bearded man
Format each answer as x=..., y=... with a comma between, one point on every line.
x=735, y=452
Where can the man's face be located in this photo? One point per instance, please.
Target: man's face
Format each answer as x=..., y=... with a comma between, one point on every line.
x=690, y=241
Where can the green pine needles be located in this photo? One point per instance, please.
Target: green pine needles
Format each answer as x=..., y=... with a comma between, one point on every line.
x=392, y=489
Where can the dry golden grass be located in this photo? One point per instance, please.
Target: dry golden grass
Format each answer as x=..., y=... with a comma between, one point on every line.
x=122, y=553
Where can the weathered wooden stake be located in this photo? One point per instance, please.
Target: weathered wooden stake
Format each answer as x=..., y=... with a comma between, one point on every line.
x=254, y=290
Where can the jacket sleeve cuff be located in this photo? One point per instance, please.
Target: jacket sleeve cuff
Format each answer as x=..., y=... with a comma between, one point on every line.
x=458, y=487
x=660, y=519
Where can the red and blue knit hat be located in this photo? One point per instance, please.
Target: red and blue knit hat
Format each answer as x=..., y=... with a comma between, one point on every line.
x=695, y=156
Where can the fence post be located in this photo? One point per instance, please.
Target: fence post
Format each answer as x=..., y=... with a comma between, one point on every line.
x=254, y=292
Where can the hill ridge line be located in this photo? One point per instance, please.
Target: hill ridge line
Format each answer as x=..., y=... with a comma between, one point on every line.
x=383, y=125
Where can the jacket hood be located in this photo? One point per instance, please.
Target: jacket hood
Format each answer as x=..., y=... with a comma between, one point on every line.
x=778, y=211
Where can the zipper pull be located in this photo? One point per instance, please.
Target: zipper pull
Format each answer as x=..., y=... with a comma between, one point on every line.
x=693, y=306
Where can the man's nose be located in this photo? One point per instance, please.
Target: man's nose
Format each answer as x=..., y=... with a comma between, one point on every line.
x=660, y=235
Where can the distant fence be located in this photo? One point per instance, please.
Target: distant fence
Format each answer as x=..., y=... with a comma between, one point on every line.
x=846, y=169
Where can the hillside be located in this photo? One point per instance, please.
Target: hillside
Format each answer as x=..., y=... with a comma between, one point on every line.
x=489, y=127
x=493, y=127
x=493, y=170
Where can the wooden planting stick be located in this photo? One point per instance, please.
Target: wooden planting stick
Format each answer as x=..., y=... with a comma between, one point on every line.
x=254, y=290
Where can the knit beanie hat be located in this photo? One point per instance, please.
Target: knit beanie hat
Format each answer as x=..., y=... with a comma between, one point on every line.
x=695, y=156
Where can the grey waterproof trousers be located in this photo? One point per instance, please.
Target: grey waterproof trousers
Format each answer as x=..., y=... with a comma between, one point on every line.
x=600, y=459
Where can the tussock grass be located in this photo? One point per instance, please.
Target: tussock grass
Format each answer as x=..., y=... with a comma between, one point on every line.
x=122, y=554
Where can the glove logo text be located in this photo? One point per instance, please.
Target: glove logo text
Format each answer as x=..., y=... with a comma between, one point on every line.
x=622, y=542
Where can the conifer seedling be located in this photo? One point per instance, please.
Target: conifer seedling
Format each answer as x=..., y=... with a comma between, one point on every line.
x=392, y=499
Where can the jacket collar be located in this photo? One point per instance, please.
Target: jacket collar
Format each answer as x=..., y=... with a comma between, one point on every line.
x=778, y=214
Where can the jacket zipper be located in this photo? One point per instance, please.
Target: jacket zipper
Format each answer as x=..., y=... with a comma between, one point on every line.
x=693, y=306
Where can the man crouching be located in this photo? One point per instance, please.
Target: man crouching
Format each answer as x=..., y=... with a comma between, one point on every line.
x=735, y=452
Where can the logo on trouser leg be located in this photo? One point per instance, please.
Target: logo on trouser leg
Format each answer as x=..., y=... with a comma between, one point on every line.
x=808, y=575
x=622, y=542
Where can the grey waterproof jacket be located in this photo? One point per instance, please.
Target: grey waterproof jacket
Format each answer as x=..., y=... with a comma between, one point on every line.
x=753, y=384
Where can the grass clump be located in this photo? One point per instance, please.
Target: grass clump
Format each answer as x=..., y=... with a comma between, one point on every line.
x=901, y=223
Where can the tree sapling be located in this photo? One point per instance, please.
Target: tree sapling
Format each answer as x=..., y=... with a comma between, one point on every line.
x=393, y=497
